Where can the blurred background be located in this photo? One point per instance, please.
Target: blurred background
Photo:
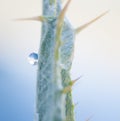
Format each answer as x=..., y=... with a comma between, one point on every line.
x=97, y=58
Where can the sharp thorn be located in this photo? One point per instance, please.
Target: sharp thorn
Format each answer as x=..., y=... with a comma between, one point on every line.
x=79, y=29
x=62, y=14
x=60, y=22
x=37, y=18
x=74, y=81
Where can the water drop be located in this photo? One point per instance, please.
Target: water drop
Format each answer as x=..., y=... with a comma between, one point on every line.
x=33, y=58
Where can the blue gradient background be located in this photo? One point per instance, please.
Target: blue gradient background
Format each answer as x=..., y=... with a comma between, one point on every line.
x=97, y=58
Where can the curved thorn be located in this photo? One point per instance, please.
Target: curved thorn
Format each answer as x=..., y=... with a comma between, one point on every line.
x=37, y=18
x=59, y=28
x=62, y=15
x=79, y=29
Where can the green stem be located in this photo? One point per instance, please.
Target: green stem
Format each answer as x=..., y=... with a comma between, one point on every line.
x=52, y=78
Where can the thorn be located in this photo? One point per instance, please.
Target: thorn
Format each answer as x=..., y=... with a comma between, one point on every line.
x=37, y=18
x=79, y=29
x=62, y=15
x=67, y=89
x=59, y=28
x=74, y=81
